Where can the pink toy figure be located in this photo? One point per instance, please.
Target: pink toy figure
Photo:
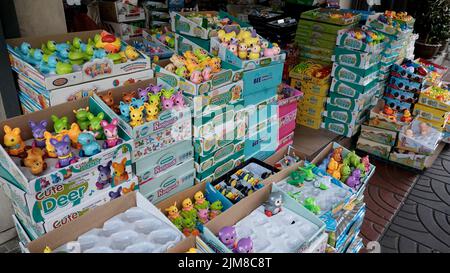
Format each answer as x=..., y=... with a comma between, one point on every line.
x=353, y=180
x=233, y=47
x=196, y=77
x=167, y=103
x=203, y=216
x=206, y=73
x=276, y=49
x=366, y=162
x=110, y=131
x=143, y=93
x=178, y=99
x=155, y=89
x=269, y=52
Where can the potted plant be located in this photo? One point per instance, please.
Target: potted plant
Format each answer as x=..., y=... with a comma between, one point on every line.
x=433, y=26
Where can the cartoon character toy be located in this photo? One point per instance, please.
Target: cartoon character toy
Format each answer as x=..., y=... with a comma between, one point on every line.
x=227, y=235
x=60, y=124
x=89, y=145
x=203, y=215
x=64, y=152
x=124, y=109
x=200, y=201
x=136, y=116
x=111, y=133
x=215, y=209
x=174, y=216
x=274, y=205
x=188, y=210
x=127, y=97
x=94, y=125
x=244, y=245
x=82, y=118
x=120, y=172
x=35, y=161
x=104, y=178
x=15, y=146
x=38, y=130
x=73, y=134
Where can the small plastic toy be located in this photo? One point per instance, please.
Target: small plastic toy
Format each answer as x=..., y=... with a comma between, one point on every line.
x=131, y=53
x=105, y=177
x=127, y=97
x=111, y=133
x=154, y=99
x=227, y=235
x=136, y=103
x=345, y=172
x=273, y=205
x=63, y=151
x=82, y=118
x=95, y=124
x=215, y=209
x=366, y=161
x=189, y=227
x=35, y=161
x=115, y=194
x=254, y=52
x=196, y=77
x=120, y=173
x=136, y=116
x=203, y=215
x=108, y=99
x=15, y=146
x=38, y=130
x=310, y=204
x=244, y=245
x=124, y=109
x=188, y=210
x=354, y=180
x=207, y=73
x=143, y=93
x=166, y=103
x=151, y=112
x=89, y=145
x=200, y=201
x=60, y=124
x=308, y=172
x=155, y=89
x=178, y=99
x=73, y=134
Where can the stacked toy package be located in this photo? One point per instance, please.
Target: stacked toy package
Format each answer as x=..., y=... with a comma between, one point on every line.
x=355, y=80
x=317, y=32
x=123, y=19
x=287, y=114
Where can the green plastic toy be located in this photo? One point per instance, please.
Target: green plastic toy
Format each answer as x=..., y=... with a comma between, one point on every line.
x=297, y=179
x=82, y=118
x=310, y=204
x=60, y=124
x=345, y=172
x=63, y=68
x=308, y=171
x=76, y=57
x=95, y=124
x=167, y=93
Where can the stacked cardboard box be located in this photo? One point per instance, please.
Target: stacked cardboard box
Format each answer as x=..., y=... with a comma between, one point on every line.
x=123, y=19
x=288, y=98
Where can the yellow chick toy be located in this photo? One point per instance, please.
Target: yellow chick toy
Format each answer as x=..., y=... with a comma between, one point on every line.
x=242, y=51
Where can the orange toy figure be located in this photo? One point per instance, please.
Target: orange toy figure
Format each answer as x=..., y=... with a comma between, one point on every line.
x=337, y=154
x=406, y=116
x=108, y=99
x=333, y=166
x=15, y=146
x=35, y=161
x=51, y=152
x=120, y=173
x=390, y=113
x=127, y=97
x=215, y=64
x=108, y=42
x=73, y=133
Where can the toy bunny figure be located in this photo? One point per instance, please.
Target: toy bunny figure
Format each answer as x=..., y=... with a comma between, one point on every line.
x=111, y=133
x=167, y=104
x=14, y=144
x=143, y=93
x=155, y=89
x=178, y=99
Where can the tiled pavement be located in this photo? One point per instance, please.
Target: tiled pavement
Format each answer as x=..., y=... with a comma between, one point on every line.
x=12, y=246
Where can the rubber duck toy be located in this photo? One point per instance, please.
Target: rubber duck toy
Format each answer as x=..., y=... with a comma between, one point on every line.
x=407, y=117
x=108, y=42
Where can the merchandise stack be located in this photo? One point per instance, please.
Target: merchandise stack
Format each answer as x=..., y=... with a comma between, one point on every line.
x=317, y=32
x=123, y=19
x=313, y=80
x=288, y=98
x=355, y=80
x=158, y=13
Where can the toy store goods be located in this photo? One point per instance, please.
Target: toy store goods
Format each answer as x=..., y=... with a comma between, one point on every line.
x=287, y=113
x=155, y=51
x=162, y=36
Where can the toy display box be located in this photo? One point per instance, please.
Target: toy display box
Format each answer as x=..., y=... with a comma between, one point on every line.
x=313, y=101
x=375, y=148
x=91, y=71
x=347, y=117
x=191, y=244
x=432, y=114
x=311, y=122
x=168, y=120
x=120, y=12
x=419, y=137
x=413, y=160
x=379, y=135
x=264, y=140
x=261, y=83
x=287, y=140
x=402, y=96
x=126, y=31
x=262, y=111
x=305, y=108
x=285, y=157
x=355, y=58
x=320, y=27
x=314, y=74
x=219, y=169
x=120, y=216
x=83, y=171
x=151, y=48
x=354, y=75
x=352, y=104
x=381, y=120
x=316, y=46
x=162, y=36
x=185, y=43
x=404, y=85
x=374, y=22
x=331, y=16
x=436, y=97
x=308, y=33
x=287, y=99
x=240, y=182
x=292, y=238
x=347, y=40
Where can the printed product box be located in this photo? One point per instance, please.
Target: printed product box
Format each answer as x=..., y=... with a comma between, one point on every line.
x=309, y=110
x=419, y=137
x=355, y=75
x=404, y=84
x=285, y=141
x=168, y=183
x=434, y=103
x=89, y=71
x=47, y=98
x=400, y=95
x=352, y=90
x=120, y=12
x=84, y=171
x=311, y=122
x=22, y=234
x=262, y=111
x=431, y=114
x=400, y=106
x=379, y=135
x=345, y=39
x=185, y=43
x=351, y=118
x=306, y=56
x=304, y=32
x=355, y=58
x=325, y=45
x=287, y=124
x=189, y=243
x=263, y=78
x=374, y=23
x=314, y=100
x=347, y=130
x=126, y=31
x=374, y=148
x=250, y=100
x=313, y=89
x=233, y=150
x=416, y=161
x=265, y=139
x=435, y=124
x=302, y=73
x=350, y=104
x=321, y=27
x=232, y=162
x=287, y=105
x=331, y=16
x=378, y=119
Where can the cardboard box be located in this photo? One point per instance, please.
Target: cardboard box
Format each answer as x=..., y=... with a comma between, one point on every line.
x=321, y=27
x=260, y=83
x=190, y=243
x=120, y=12
x=347, y=117
x=416, y=142
x=313, y=100
x=432, y=114
x=375, y=148
x=374, y=23
x=311, y=122
x=331, y=16
x=305, y=32
x=95, y=219
x=218, y=171
x=185, y=43
x=205, y=165
x=416, y=161
x=345, y=39
x=379, y=135
x=286, y=140
x=51, y=82
x=352, y=104
x=380, y=120
x=323, y=45
x=355, y=58
x=353, y=75
x=337, y=127
x=434, y=103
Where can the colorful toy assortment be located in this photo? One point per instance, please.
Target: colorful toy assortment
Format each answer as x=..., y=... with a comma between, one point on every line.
x=193, y=214
x=154, y=51
x=64, y=58
x=165, y=36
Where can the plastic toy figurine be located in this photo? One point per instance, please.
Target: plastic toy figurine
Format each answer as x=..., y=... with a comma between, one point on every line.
x=167, y=93
x=227, y=235
x=63, y=68
x=354, y=180
x=127, y=97
x=73, y=134
x=242, y=51
x=203, y=215
x=136, y=116
x=254, y=52
x=108, y=99
x=390, y=113
x=407, y=117
x=172, y=212
x=15, y=146
x=215, y=209
x=136, y=103
x=131, y=53
x=170, y=67
x=50, y=150
x=60, y=124
x=345, y=172
x=167, y=104
x=151, y=112
x=105, y=178
x=196, y=77
x=89, y=145
x=124, y=109
x=64, y=152
x=82, y=118
x=95, y=125
x=38, y=130
x=244, y=245
x=182, y=71
x=188, y=210
x=154, y=99
x=337, y=154
x=143, y=93
x=200, y=201
x=274, y=205
x=178, y=99
x=111, y=133
x=120, y=172
x=108, y=42
x=189, y=227
x=424, y=129
x=332, y=166
x=178, y=60
x=114, y=195
x=215, y=64
x=310, y=204
x=308, y=171
x=207, y=73
x=233, y=47
x=35, y=161
x=296, y=179
x=155, y=89
x=366, y=161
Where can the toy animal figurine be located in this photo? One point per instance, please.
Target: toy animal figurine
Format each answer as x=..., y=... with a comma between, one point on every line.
x=189, y=227
x=366, y=161
x=64, y=152
x=73, y=134
x=115, y=194
x=332, y=166
x=407, y=117
x=244, y=245
x=311, y=205
x=151, y=112
x=124, y=109
x=155, y=89
x=120, y=172
x=143, y=93
x=95, y=124
x=127, y=97
x=242, y=51
x=233, y=47
x=200, y=201
x=215, y=64
x=178, y=99
x=188, y=210
x=215, y=209
x=354, y=180
x=35, y=161
x=254, y=52
x=60, y=124
x=49, y=149
x=167, y=93
x=196, y=77
x=38, y=130
x=178, y=60
x=131, y=53
x=345, y=172
x=172, y=212
x=167, y=104
x=111, y=133
x=274, y=204
x=89, y=145
x=227, y=235
x=170, y=67
x=203, y=215
x=108, y=99
x=207, y=73
x=337, y=154
x=136, y=103
x=82, y=118
x=136, y=116
x=154, y=99
x=14, y=144
x=105, y=178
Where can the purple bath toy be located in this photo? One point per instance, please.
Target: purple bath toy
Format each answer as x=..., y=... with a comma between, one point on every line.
x=227, y=235
x=244, y=245
x=353, y=180
x=63, y=151
x=38, y=130
x=178, y=99
x=105, y=177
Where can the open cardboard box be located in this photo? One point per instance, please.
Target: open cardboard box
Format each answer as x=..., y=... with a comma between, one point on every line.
x=51, y=82
x=120, y=12
x=191, y=242
x=94, y=219
x=378, y=119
